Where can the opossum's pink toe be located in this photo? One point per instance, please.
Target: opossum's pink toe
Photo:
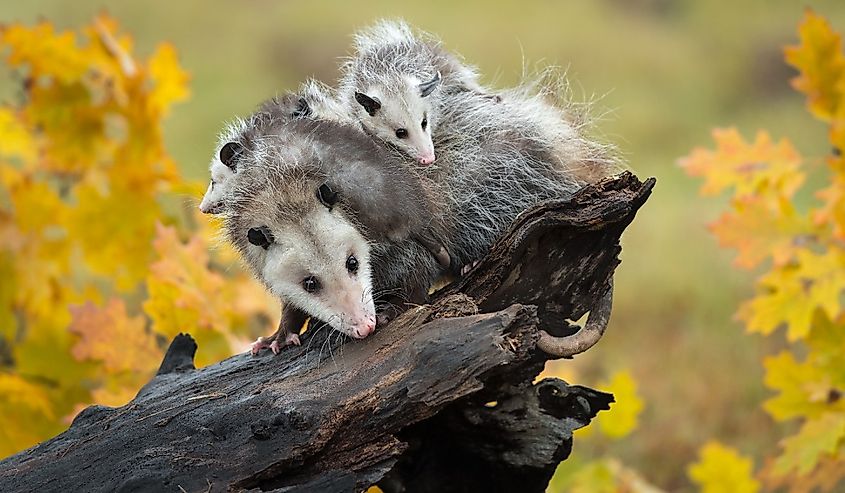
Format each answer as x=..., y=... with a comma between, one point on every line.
x=292, y=340
x=258, y=345
x=274, y=346
x=468, y=267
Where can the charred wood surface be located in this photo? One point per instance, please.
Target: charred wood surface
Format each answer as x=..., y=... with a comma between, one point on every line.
x=442, y=399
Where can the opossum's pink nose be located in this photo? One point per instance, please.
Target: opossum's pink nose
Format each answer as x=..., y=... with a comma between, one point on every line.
x=365, y=329
x=426, y=159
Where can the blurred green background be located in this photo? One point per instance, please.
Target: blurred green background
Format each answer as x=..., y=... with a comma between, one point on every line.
x=661, y=74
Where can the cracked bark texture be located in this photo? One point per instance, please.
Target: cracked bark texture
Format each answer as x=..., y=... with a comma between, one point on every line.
x=442, y=399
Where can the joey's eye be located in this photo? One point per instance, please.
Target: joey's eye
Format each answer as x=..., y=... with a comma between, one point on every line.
x=401, y=133
x=230, y=153
x=326, y=195
x=352, y=264
x=311, y=284
x=424, y=122
x=260, y=236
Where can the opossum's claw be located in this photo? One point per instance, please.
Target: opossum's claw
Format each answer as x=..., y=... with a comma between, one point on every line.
x=468, y=267
x=259, y=344
x=292, y=339
x=274, y=346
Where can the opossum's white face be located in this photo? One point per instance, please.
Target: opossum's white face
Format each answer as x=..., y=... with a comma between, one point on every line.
x=320, y=263
x=403, y=117
x=222, y=178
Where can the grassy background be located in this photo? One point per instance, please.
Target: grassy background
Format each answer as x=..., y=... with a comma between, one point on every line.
x=662, y=74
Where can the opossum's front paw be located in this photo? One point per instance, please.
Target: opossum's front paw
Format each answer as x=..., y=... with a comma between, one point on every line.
x=468, y=267
x=291, y=339
x=383, y=319
x=259, y=344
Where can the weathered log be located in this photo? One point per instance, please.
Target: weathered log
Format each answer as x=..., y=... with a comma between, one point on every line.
x=442, y=399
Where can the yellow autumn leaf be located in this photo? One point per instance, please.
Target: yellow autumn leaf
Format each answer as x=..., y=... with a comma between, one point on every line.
x=803, y=389
x=22, y=401
x=762, y=166
x=15, y=138
x=821, y=65
x=832, y=211
x=721, y=469
x=169, y=79
x=45, y=51
x=112, y=245
x=110, y=335
x=624, y=414
x=791, y=294
x=817, y=438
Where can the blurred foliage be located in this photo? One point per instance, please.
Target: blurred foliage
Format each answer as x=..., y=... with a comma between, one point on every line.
x=100, y=264
x=659, y=73
x=801, y=290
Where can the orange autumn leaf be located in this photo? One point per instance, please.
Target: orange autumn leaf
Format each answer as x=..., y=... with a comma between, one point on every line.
x=110, y=335
x=751, y=168
x=759, y=229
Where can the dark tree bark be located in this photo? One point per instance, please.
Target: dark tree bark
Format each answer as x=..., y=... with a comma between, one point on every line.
x=442, y=399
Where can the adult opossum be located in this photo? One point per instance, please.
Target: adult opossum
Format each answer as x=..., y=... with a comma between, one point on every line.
x=393, y=84
x=310, y=196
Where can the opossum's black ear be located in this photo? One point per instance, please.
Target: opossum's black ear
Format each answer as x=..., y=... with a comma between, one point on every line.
x=427, y=87
x=260, y=236
x=230, y=154
x=303, y=110
x=370, y=104
x=326, y=195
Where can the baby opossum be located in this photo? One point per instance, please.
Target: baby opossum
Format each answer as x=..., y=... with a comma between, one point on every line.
x=394, y=82
x=313, y=100
x=310, y=200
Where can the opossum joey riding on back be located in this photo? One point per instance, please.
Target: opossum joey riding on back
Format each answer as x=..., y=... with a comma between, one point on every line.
x=394, y=83
x=313, y=100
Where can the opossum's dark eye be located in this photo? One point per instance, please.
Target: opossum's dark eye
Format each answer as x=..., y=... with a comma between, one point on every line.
x=311, y=284
x=230, y=153
x=260, y=236
x=326, y=195
x=424, y=122
x=352, y=264
x=401, y=133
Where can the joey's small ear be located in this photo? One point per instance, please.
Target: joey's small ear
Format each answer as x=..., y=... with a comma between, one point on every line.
x=370, y=104
x=326, y=195
x=426, y=88
x=230, y=154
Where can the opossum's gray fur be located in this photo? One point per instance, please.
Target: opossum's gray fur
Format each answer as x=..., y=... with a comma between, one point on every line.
x=497, y=159
x=390, y=50
x=313, y=100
